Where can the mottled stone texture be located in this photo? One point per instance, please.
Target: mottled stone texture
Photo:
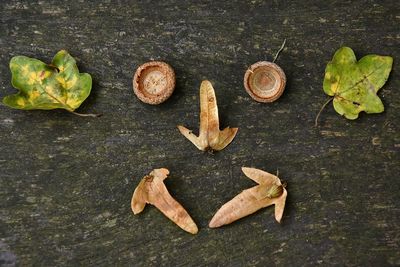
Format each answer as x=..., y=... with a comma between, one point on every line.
x=66, y=181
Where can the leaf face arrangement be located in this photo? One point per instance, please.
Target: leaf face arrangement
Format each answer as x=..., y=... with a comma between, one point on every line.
x=152, y=190
x=210, y=137
x=354, y=85
x=269, y=191
x=42, y=86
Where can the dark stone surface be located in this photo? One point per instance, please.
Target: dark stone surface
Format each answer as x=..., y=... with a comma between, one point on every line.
x=66, y=181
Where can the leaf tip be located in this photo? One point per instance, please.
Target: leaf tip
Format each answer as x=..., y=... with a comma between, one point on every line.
x=215, y=221
x=344, y=55
x=192, y=228
x=62, y=51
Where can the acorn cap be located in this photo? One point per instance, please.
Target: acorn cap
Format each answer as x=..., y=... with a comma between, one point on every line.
x=154, y=82
x=264, y=81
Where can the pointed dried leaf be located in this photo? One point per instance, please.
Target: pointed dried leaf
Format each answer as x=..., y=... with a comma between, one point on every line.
x=270, y=191
x=152, y=190
x=210, y=137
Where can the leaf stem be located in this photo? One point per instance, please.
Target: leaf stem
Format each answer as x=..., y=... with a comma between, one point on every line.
x=279, y=51
x=322, y=108
x=85, y=114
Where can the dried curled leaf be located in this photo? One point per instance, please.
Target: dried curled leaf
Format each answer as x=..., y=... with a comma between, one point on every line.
x=152, y=190
x=42, y=86
x=354, y=85
x=269, y=191
x=210, y=137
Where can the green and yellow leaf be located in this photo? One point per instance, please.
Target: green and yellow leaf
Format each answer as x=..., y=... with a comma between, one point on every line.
x=354, y=85
x=42, y=86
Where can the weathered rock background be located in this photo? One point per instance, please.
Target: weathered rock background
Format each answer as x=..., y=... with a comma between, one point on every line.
x=66, y=181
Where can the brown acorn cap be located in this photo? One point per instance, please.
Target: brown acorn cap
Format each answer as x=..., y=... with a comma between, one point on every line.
x=264, y=81
x=154, y=82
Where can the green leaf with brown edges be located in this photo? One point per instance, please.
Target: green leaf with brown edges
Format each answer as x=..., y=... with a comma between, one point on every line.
x=354, y=84
x=42, y=86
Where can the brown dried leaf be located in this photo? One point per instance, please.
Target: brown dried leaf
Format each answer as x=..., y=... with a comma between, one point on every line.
x=210, y=137
x=152, y=190
x=269, y=191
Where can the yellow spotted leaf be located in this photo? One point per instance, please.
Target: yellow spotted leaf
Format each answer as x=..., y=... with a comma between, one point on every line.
x=43, y=86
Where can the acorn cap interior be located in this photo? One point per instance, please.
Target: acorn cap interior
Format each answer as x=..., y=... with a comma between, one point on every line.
x=265, y=81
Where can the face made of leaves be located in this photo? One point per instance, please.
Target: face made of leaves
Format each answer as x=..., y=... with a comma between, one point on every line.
x=210, y=136
x=42, y=86
x=354, y=85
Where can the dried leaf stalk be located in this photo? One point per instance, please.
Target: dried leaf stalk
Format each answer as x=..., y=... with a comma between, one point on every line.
x=152, y=190
x=210, y=137
x=269, y=191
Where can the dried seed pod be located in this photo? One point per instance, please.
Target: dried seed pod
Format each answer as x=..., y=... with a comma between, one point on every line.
x=152, y=190
x=210, y=136
x=154, y=82
x=273, y=191
x=264, y=81
x=269, y=191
